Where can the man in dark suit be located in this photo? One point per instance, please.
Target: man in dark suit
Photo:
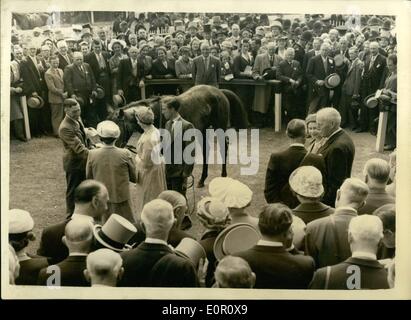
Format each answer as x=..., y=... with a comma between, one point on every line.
x=377, y=173
x=338, y=151
x=319, y=67
x=78, y=237
x=164, y=68
x=153, y=263
x=373, y=71
x=326, y=238
x=76, y=148
x=131, y=76
x=21, y=226
x=291, y=75
x=98, y=61
x=79, y=82
x=177, y=169
x=283, y=163
x=274, y=267
x=206, y=68
x=64, y=58
x=90, y=204
x=35, y=85
x=362, y=270
x=315, y=51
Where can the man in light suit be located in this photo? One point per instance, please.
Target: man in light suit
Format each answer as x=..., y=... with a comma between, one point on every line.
x=76, y=148
x=79, y=82
x=326, y=239
x=338, y=151
x=55, y=84
x=114, y=167
x=351, y=90
x=364, y=235
x=206, y=68
x=319, y=67
x=176, y=173
x=64, y=57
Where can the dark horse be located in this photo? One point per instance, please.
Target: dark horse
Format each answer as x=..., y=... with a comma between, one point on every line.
x=204, y=106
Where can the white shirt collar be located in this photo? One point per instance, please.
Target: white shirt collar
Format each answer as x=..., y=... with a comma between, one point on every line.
x=297, y=145
x=78, y=254
x=269, y=243
x=335, y=132
x=155, y=241
x=22, y=256
x=364, y=255
x=82, y=216
x=345, y=208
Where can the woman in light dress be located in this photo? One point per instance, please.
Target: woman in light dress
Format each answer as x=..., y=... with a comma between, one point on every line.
x=117, y=46
x=317, y=141
x=150, y=164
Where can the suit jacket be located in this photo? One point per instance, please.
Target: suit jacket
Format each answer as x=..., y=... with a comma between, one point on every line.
x=327, y=242
x=156, y=265
x=32, y=78
x=371, y=77
x=211, y=76
x=63, y=63
x=287, y=71
x=373, y=275
x=78, y=82
x=299, y=53
x=275, y=268
x=307, y=58
x=262, y=62
x=315, y=71
x=29, y=271
x=71, y=272
x=115, y=168
x=174, y=170
x=239, y=65
x=338, y=152
x=279, y=169
x=100, y=74
x=125, y=74
x=75, y=144
x=159, y=71
x=352, y=83
x=51, y=244
x=375, y=199
x=55, y=84
x=312, y=211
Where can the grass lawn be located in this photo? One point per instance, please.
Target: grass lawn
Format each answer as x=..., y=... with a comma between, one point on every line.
x=37, y=179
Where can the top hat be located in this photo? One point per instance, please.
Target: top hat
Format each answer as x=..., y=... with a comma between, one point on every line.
x=35, y=102
x=190, y=249
x=235, y=238
x=332, y=80
x=115, y=233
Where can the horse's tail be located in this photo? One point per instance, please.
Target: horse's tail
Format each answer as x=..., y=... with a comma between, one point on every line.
x=238, y=114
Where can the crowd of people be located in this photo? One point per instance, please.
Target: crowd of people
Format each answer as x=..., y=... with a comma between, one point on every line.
x=317, y=222
x=319, y=60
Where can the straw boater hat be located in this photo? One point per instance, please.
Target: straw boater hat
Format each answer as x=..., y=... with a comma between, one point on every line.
x=235, y=238
x=35, y=102
x=371, y=101
x=307, y=181
x=233, y=193
x=115, y=233
x=191, y=250
x=332, y=81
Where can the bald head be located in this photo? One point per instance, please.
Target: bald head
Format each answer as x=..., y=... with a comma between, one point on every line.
x=365, y=233
x=78, y=236
x=234, y=272
x=352, y=193
x=158, y=218
x=104, y=266
x=328, y=121
x=177, y=201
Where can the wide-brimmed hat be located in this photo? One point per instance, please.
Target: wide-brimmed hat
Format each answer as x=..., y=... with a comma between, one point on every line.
x=35, y=102
x=119, y=100
x=235, y=238
x=108, y=129
x=190, y=249
x=100, y=92
x=122, y=43
x=115, y=233
x=371, y=101
x=233, y=193
x=332, y=80
x=307, y=181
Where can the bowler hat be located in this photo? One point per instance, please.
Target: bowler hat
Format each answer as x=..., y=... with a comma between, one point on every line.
x=307, y=36
x=35, y=102
x=235, y=238
x=191, y=250
x=115, y=233
x=119, y=100
x=332, y=80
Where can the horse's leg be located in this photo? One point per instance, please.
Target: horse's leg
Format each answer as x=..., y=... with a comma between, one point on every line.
x=224, y=166
x=206, y=151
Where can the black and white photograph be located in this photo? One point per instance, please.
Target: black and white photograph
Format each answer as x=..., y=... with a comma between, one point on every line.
x=171, y=146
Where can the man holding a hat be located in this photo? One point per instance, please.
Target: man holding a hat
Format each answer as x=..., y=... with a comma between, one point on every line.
x=114, y=167
x=21, y=226
x=153, y=263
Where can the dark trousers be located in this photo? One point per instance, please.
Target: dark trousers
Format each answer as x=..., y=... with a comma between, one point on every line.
x=349, y=115
x=368, y=117
x=318, y=102
x=40, y=120
x=391, y=136
x=293, y=105
x=178, y=184
x=73, y=179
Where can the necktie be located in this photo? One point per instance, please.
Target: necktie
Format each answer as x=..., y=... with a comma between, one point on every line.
x=101, y=61
x=134, y=63
x=325, y=65
x=206, y=63
x=372, y=62
x=271, y=61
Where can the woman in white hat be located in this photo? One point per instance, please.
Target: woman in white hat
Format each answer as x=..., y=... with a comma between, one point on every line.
x=150, y=164
x=117, y=47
